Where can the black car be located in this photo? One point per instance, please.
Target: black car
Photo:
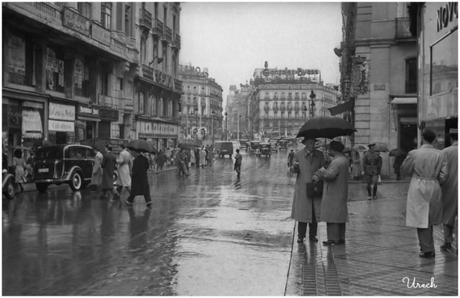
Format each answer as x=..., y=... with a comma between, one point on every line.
x=57, y=164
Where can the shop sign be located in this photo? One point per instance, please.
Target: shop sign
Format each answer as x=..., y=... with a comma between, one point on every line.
x=32, y=126
x=65, y=126
x=100, y=34
x=16, y=62
x=88, y=110
x=61, y=112
x=446, y=15
x=157, y=128
x=108, y=114
x=75, y=21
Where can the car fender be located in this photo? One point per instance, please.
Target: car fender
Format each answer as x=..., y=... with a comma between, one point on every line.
x=7, y=178
x=71, y=171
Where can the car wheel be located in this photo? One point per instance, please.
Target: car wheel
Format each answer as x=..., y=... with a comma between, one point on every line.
x=9, y=190
x=41, y=187
x=76, y=181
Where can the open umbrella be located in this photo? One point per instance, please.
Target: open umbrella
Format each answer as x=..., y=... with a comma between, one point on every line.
x=141, y=146
x=360, y=148
x=381, y=147
x=397, y=152
x=325, y=127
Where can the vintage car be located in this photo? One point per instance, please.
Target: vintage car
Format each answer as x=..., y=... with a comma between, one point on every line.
x=223, y=148
x=254, y=147
x=265, y=149
x=58, y=164
x=8, y=185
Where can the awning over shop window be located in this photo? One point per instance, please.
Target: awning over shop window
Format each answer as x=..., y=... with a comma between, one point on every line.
x=404, y=100
x=340, y=108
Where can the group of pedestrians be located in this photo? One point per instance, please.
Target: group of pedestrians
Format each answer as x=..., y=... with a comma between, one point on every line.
x=321, y=190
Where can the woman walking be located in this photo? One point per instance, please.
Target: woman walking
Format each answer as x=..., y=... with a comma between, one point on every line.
x=19, y=168
x=334, y=204
x=96, y=176
x=124, y=170
x=139, y=181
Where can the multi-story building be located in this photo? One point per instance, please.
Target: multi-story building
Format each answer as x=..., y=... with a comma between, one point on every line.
x=379, y=74
x=201, y=105
x=240, y=111
x=71, y=70
x=157, y=90
x=288, y=97
x=436, y=26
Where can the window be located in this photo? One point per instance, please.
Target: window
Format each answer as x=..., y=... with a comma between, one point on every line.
x=165, y=57
x=155, y=48
x=106, y=15
x=54, y=70
x=444, y=65
x=141, y=103
x=105, y=83
x=75, y=152
x=128, y=19
x=411, y=75
x=154, y=105
x=84, y=8
x=174, y=24
x=165, y=15
x=143, y=51
x=120, y=84
x=156, y=10
x=20, y=62
x=81, y=78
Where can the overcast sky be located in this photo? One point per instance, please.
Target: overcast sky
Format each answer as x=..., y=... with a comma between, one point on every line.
x=232, y=39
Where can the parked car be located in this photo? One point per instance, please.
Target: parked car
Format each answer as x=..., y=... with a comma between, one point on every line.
x=265, y=149
x=223, y=148
x=8, y=185
x=244, y=144
x=58, y=164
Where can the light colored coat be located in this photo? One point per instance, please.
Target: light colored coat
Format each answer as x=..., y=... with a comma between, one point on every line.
x=302, y=205
x=124, y=168
x=335, y=192
x=427, y=168
x=450, y=186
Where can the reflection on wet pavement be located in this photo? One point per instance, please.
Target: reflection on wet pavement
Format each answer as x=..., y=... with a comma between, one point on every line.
x=207, y=234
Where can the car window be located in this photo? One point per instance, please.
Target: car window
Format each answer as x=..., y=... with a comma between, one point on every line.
x=48, y=153
x=75, y=153
x=90, y=153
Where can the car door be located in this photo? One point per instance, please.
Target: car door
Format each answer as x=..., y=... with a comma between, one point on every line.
x=89, y=163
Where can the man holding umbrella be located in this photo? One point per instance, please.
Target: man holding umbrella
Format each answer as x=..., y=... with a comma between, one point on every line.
x=372, y=163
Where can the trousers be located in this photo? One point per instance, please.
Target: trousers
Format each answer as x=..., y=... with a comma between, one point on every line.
x=335, y=231
x=425, y=238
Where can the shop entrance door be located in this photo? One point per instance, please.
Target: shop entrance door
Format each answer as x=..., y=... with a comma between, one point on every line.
x=407, y=136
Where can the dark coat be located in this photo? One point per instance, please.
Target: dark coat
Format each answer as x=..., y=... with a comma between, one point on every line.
x=108, y=166
x=140, y=182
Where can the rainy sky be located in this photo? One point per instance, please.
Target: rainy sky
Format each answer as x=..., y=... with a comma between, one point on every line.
x=232, y=39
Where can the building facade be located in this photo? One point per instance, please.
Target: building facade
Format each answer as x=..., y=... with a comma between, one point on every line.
x=201, y=105
x=437, y=35
x=240, y=112
x=72, y=71
x=288, y=97
x=379, y=75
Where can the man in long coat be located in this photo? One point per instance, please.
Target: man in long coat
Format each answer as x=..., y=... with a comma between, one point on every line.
x=450, y=190
x=108, y=166
x=372, y=164
x=334, y=208
x=424, y=205
x=139, y=180
x=305, y=209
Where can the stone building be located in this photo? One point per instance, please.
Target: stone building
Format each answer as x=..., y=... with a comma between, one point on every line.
x=288, y=97
x=72, y=70
x=201, y=105
x=240, y=112
x=379, y=75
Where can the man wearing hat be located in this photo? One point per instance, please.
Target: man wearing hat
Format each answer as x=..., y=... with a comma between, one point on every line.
x=305, y=209
x=450, y=189
x=372, y=163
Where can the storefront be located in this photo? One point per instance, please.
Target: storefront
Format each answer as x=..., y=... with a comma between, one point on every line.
x=87, y=123
x=107, y=129
x=162, y=135
x=438, y=79
x=61, y=123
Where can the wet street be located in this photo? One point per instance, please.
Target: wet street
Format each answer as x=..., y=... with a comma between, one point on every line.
x=207, y=234
x=212, y=234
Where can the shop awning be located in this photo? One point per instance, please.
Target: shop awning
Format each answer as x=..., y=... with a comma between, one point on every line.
x=340, y=108
x=404, y=100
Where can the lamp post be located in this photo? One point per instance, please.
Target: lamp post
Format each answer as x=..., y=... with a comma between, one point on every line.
x=312, y=103
x=226, y=126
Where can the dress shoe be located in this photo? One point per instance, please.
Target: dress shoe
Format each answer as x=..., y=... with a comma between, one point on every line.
x=329, y=243
x=313, y=238
x=446, y=247
x=427, y=255
x=300, y=239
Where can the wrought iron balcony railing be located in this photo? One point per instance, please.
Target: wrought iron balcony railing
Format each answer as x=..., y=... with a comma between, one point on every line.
x=157, y=27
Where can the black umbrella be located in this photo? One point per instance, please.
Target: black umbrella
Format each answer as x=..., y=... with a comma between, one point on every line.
x=325, y=127
x=397, y=152
x=141, y=146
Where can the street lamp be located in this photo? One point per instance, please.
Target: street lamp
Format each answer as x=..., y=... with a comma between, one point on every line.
x=312, y=103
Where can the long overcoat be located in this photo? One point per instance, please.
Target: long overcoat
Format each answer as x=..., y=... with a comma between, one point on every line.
x=450, y=186
x=140, y=182
x=428, y=170
x=108, y=166
x=302, y=205
x=96, y=177
x=124, y=168
x=334, y=207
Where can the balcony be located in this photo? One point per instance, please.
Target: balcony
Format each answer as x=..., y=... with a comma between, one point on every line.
x=145, y=19
x=109, y=101
x=178, y=85
x=176, y=41
x=147, y=72
x=157, y=28
x=167, y=34
x=403, y=29
x=47, y=11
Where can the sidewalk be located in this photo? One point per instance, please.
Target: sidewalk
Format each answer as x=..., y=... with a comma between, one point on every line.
x=380, y=257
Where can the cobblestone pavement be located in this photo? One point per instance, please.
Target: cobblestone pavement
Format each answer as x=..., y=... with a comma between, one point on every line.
x=380, y=256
